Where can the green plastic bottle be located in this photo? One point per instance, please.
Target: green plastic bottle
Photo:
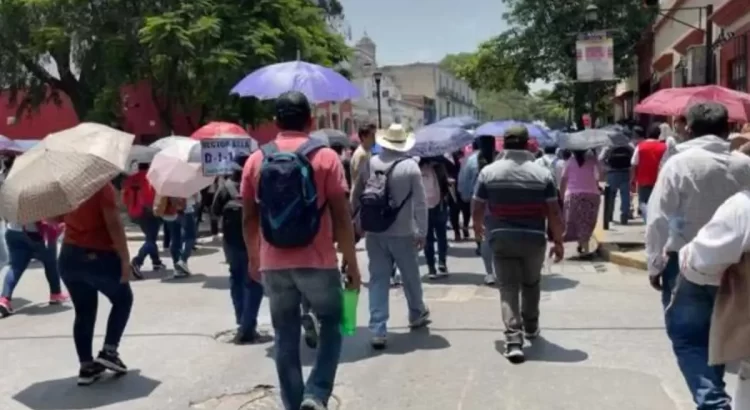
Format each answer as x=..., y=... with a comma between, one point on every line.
x=349, y=314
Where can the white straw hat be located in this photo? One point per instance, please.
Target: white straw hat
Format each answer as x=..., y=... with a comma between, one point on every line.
x=395, y=138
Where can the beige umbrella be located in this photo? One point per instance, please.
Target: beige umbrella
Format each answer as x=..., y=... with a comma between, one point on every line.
x=64, y=170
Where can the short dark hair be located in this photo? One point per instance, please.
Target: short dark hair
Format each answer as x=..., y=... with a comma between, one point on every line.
x=654, y=132
x=638, y=131
x=366, y=129
x=143, y=167
x=681, y=119
x=708, y=118
x=550, y=149
x=292, y=111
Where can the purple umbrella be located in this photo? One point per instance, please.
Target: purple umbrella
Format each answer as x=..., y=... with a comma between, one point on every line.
x=318, y=83
x=434, y=140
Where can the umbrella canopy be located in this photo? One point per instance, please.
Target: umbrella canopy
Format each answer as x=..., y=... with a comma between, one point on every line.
x=433, y=140
x=62, y=171
x=461, y=122
x=7, y=144
x=175, y=171
x=219, y=129
x=673, y=102
x=142, y=154
x=180, y=142
x=332, y=137
x=620, y=135
x=318, y=83
x=498, y=128
x=587, y=139
x=21, y=145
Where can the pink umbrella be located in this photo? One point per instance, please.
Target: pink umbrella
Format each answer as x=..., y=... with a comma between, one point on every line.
x=673, y=102
x=218, y=129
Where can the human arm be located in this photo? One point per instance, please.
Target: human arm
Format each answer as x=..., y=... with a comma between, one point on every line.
x=335, y=189
x=564, y=180
x=663, y=204
x=419, y=199
x=634, y=163
x=115, y=228
x=250, y=216
x=719, y=244
x=479, y=206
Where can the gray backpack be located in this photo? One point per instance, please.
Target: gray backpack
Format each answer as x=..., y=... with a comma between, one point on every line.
x=377, y=211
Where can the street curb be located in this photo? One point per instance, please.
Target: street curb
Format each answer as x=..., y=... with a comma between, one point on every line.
x=610, y=252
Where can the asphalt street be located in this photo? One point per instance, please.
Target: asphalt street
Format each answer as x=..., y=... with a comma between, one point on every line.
x=603, y=346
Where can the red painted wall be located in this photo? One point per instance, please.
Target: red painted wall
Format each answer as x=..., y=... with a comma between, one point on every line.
x=141, y=117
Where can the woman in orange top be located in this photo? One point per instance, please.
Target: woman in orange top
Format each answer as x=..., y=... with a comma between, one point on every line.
x=94, y=258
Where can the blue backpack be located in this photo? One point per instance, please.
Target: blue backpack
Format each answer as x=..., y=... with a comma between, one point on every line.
x=288, y=197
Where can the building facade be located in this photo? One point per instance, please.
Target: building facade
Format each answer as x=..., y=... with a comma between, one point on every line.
x=452, y=96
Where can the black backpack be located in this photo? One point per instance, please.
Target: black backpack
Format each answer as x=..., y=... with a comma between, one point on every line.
x=288, y=197
x=231, y=215
x=377, y=211
x=619, y=158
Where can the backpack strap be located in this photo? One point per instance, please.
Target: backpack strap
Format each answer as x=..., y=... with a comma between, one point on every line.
x=269, y=149
x=388, y=173
x=309, y=146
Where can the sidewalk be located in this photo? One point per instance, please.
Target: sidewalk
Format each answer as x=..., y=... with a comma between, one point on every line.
x=621, y=245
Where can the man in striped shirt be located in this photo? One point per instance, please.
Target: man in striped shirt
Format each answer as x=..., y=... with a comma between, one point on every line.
x=513, y=200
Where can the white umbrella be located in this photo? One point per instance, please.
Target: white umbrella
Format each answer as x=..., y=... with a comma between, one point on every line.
x=62, y=171
x=174, y=173
x=180, y=144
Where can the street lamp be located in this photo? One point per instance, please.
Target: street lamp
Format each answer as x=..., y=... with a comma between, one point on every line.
x=378, y=76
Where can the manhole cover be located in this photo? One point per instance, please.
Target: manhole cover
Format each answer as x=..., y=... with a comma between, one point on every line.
x=259, y=398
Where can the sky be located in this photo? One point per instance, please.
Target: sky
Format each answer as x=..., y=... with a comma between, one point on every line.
x=408, y=31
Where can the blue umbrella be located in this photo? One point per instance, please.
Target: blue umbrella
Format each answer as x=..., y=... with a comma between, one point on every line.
x=461, y=122
x=498, y=128
x=22, y=145
x=434, y=140
x=318, y=83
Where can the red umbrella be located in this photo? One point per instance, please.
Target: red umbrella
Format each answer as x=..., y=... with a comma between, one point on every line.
x=673, y=102
x=218, y=129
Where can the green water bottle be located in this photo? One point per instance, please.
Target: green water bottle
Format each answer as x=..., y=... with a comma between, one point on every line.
x=349, y=314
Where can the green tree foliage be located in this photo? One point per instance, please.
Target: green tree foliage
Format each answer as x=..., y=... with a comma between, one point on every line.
x=517, y=105
x=191, y=52
x=74, y=47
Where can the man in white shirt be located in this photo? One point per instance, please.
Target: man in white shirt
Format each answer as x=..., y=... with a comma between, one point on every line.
x=718, y=245
x=689, y=189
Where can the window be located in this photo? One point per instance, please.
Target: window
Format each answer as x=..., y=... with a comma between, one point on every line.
x=386, y=94
x=738, y=66
x=347, y=126
x=335, y=121
x=322, y=123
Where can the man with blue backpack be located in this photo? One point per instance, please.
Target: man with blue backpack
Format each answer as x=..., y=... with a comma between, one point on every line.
x=294, y=197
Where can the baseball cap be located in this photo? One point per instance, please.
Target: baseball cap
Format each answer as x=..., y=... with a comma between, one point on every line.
x=516, y=134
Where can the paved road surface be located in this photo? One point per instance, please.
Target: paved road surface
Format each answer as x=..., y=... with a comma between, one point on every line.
x=603, y=347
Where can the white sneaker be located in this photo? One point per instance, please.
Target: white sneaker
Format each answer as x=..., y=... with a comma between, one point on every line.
x=181, y=269
x=489, y=279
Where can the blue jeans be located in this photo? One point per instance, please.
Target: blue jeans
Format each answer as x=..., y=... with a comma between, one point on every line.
x=487, y=256
x=182, y=235
x=150, y=226
x=22, y=250
x=322, y=288
x=688, y=321
x=383, y=252
x=246, y=293
x=644, y=193
x=436, y=229
x=87, y=272
x=619, y=181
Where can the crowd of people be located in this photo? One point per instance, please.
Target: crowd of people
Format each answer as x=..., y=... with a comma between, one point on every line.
x=292, y=212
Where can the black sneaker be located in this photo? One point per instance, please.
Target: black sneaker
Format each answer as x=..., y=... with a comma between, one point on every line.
x=432, y=274
x=111, y=361
x=442, y=269
x=135, y=269
x=90, y=373
x=254, y=338
x=158, y=266
x=311, y=331
x=514, y=353
x=466, y=234
x=379, y=342
x=531, y=333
